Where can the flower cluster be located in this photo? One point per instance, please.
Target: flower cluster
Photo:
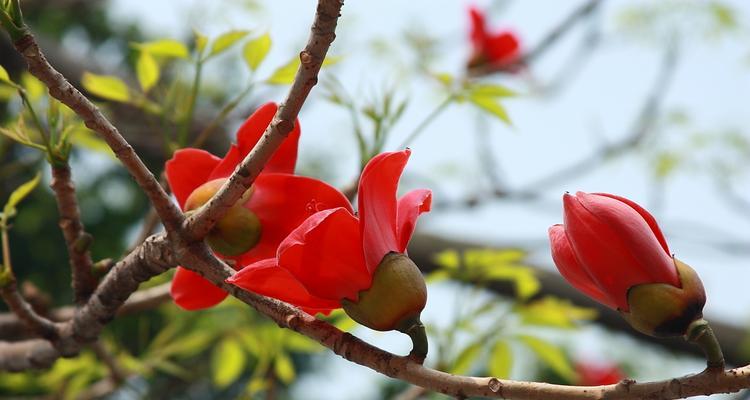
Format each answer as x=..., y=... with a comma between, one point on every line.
x=277, y=203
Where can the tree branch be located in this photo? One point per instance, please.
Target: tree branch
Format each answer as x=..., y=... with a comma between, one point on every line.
x=322, y=34
x=76, y=239
x=63, y=91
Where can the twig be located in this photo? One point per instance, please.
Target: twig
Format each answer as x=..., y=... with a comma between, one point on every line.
x=11, y=328
x=76, y=239
x=22, y=309
x=150, y=259
x=116, y=373
x=63, y=91
x=322, y=34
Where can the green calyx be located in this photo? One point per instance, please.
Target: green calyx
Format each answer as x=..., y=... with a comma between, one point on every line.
x=235, y=233
x=394, y=301
x=663, y=310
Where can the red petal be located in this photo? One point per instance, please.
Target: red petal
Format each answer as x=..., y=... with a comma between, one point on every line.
x=615, y=245
x=502, y=48
x=266, y=278
x=325, y=255
x=251, y=131
x=188, y=169
x=650, y=220
x=282, y=202
x=571, y=269
x=227, y=164
x=377, y=205
x=635, y=234
x=192, y=292
x=410, y=206
x=478, y=30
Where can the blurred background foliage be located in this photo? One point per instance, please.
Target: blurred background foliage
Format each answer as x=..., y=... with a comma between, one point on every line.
x=156, y=92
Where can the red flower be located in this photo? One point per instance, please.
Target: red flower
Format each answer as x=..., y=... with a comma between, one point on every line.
x=333, y=254
x=609, y=244
x=495, y=50
x=279, y=200
x=591, y=374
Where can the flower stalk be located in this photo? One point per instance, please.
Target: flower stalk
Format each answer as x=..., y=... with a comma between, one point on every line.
x=700, y=333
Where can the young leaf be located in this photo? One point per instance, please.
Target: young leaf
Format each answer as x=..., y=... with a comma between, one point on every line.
x=501, y=360
x=227, y=362
x=255, y=51
x=4, y=77
x=200, y=42
x=490, y=90
x=466, y=358
x=226, y=40
x=106, y=86
x=551, y=311
x=284, y=368
x=164, y=48
x=33, y=86
x=285, y=74
x=19, y=194
x=491, y=105
x=551, y=355
x=147, y=70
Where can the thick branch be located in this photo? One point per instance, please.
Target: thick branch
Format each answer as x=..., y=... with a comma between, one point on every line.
x=76, y=238
x=322, y=34
x=148, y=260
x=63, y=91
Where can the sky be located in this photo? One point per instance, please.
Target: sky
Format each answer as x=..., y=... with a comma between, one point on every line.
x=596, y=105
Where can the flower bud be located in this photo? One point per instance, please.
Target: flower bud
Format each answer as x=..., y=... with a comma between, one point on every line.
x=660, y=309
x=394, y=300
x=235, y=233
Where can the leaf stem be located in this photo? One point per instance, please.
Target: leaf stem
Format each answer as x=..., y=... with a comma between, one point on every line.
x=187, y=122
x=426, y=121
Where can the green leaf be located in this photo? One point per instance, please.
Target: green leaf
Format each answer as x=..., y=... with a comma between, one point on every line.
x=555, y=312
x=501, y=360
x=106, y=86
x=551, y=355
x=285, y=74
x=490, y=90
x=200, y=41
x=226, y=40
x=284, y=368
x=164, y=48
x=4, y=77
x=84, y=137
x=18, y=195
x=301, y=344
x=448, y=259
x=331, y=60
x=34, y=88
x=147, y=70
x=227, y=362
x=491, y=105
x=466, y=358
x=256, y=50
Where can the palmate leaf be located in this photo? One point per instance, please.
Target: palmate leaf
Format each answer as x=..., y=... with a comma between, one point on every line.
x=285, y=74
x=284, y=368
x=554, y=312
x=228, y=360
x=551, y=355
x=501, y=360
x=256, y=50
x=106, y=86
x=491, y=105
x=9, y=210
x=226, y=40
x=164, y=48
x=4, y=77
x=147, y=70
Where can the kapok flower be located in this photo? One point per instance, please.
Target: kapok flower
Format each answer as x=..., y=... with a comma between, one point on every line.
x=612, y=249
x=596, y=374
x=335, y=259
x=495, y=50
x=276, y=204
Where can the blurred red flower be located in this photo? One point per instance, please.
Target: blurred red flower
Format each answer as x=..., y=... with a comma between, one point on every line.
x=609, y=244
x=280, y=200
x=333, y=254
x=595, y=374
x=495, y=50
